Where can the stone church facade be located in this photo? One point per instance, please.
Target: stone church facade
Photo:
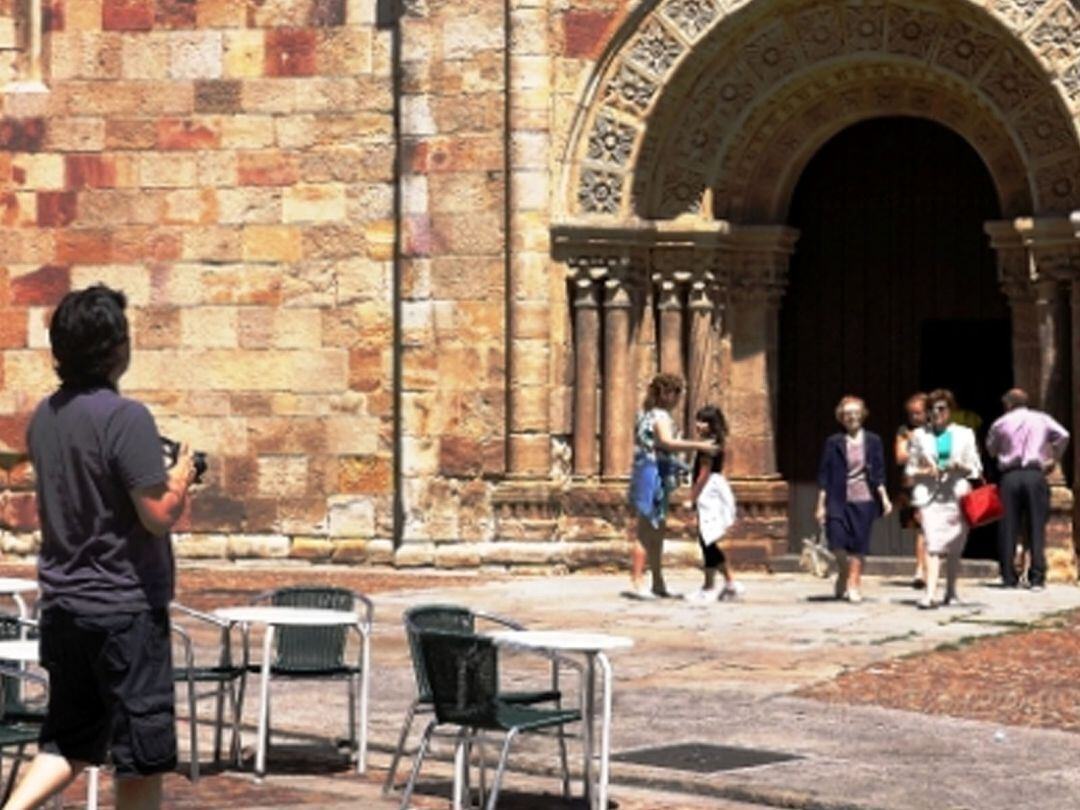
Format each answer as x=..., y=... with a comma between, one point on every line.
x=403, y=269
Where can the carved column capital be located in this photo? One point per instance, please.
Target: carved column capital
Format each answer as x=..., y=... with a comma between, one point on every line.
x=759, y=264
x=1052, y=245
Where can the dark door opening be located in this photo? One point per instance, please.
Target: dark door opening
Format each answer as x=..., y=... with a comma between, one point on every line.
x=892, y=290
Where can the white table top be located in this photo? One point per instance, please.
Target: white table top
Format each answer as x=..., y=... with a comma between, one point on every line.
x=282, y=615
x=564, y=640
x=19, y=650
x=17, y=585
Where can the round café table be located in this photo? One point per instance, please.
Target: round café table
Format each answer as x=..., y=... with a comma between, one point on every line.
x=273, y=616
x=593, y=648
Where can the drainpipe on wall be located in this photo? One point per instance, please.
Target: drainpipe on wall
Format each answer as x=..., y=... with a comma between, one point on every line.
x=388, y=15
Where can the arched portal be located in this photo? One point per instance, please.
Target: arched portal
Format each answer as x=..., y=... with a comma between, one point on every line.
x=681, y=168
x=893, y=284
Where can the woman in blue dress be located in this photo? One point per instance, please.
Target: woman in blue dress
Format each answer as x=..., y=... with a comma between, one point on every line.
x=654, y=477
x=851, y=494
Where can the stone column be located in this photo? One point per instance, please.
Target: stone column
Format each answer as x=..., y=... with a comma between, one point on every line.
x=1014, y=276
x=586, y=280
x=1055, y=261
x=618, y=391
x=758, y=281
x=702, y=311
x=670, y=307
x=529, y=360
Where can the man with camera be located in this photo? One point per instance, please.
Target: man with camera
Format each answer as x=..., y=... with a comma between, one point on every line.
x=106, y=504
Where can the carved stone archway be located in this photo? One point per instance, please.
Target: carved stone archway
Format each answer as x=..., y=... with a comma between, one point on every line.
x=705, y=111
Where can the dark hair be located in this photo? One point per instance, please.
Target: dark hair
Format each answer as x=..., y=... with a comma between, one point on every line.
x=661, y=385
x=714, y=418
x=85, y=331
x=942, y=395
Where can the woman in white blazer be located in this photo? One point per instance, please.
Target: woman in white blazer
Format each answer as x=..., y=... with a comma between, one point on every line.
x=942, y=458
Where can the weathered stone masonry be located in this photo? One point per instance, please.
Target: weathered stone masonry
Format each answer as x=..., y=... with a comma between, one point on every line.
x=403, y=268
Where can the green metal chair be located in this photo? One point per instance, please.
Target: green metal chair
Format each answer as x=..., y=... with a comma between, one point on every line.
x=462, y=670
x=19, y=725
x=319, y=653
x=225, y=676
x=17, y=709
x=456, y=618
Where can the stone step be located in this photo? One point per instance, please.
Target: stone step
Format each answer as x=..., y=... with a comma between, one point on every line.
x=891, y=567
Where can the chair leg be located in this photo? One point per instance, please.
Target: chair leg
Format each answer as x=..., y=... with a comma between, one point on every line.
x=480, y=755
x=193, y=724
x=565, y=764
x=402, y=739
x=421, y=751
x=353, y=684
x=219, y=717
x=237, y=752
x=9, y=785
x=494, y=797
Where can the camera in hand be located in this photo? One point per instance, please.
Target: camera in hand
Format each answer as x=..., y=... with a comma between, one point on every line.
x=172, y=451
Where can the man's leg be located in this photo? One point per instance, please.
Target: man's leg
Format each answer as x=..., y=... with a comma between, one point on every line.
x=1012, y=500
x=47, y=775
x=138, y=793
x=1038, y=496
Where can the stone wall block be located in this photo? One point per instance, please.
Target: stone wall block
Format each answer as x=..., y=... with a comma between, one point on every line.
x=518, y=552
x=318, y=203
x=145, y=57
x=220, y=14
x=201, y=546
x=272, y=243
x=244, y=53
x=37, y=171
x=255, y=546
x=246, y=132
x=22, y=544
x=196, y=55
x=290, y=52
x=249, y=205
x=127, y=15
x=316, y=549
x=214, y=244
x=414, y=554
x=18, y=511
x=351, y=516
x=365, y=475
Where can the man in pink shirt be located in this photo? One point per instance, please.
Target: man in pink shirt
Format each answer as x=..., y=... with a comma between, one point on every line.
x=1027, y=444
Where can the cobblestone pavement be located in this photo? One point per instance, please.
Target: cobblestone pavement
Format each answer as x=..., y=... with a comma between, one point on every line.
x=871, y=700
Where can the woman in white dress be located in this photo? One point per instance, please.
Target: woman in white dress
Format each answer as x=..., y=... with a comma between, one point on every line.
x=943, y=456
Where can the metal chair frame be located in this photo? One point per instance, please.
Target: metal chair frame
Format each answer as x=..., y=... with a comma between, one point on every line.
x=224, y=672
x=422, y=702
x=355, y=674
x=19, y=731
x=472, y=703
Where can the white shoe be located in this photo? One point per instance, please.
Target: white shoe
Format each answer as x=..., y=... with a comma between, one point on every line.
x=704, y=595
x=854, y=596
x=732, y=590
x=643, y=592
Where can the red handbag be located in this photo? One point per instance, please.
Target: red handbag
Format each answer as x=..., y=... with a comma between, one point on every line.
x=982, y=505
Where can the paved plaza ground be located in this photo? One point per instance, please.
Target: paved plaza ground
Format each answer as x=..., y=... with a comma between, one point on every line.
x=877, y=706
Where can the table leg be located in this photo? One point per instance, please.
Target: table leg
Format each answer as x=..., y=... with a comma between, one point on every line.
x=588, y=716
x=264, y=703
x=605, y=734
x=461, y=765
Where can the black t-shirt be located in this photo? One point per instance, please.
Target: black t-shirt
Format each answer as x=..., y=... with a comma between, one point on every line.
x=713, y=464
x=90, y=448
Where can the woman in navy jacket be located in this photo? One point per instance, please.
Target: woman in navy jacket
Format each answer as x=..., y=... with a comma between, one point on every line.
x=851, y=494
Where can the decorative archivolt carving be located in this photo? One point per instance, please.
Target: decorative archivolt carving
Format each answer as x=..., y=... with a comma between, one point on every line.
x=738, y=61
x=691, y=16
